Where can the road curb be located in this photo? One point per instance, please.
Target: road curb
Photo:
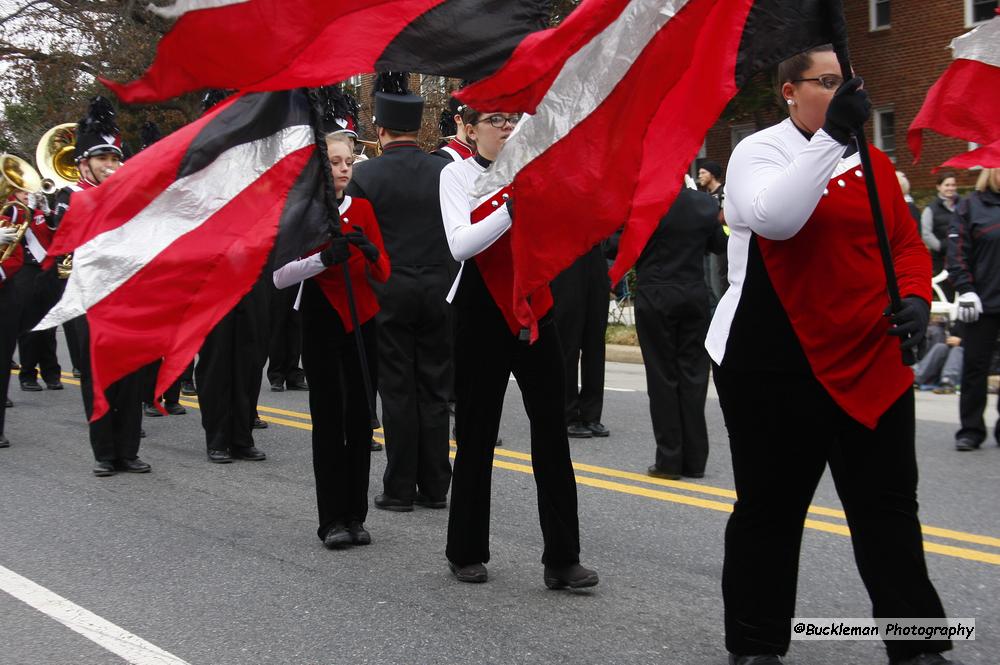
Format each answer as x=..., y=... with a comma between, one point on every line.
x=623, y=353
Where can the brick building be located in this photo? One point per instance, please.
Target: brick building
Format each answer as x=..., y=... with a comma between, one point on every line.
x=900, y=47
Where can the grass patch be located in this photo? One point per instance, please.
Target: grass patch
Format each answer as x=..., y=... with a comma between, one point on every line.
x=621, y=334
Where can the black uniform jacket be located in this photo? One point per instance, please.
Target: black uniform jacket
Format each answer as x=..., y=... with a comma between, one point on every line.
x=688, y=231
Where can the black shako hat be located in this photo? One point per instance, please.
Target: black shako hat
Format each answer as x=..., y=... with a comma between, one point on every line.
x=396, y=108
x=97, y=133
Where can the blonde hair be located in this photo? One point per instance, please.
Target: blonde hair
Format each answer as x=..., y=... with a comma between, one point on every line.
x=904, y=182
x=984, y=180
x=340, y=137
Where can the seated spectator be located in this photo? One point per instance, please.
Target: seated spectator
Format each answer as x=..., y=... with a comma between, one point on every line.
x=940, y=369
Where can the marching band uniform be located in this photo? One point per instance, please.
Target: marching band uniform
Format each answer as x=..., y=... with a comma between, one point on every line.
x=342, y=427
x=488, y=349
x=413, y=329
x=671, y=319
x=807, y=376
x=581, y=315
x=456, y=150
x=114, y=438
x=37, y=348
x=10, y=305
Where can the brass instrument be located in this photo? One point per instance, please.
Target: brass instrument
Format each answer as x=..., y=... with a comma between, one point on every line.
x=374, y=145
x=55, y=158
x=65, y=267
x=16, y=175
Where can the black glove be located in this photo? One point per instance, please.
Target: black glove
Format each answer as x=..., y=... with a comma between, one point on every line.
x=910, y=322
x=848, y=111
x=338, y=252
x=358, y=238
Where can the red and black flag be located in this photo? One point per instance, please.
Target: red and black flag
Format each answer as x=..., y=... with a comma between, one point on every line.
x=258, y=45
x=169, y=244
x=622, y=94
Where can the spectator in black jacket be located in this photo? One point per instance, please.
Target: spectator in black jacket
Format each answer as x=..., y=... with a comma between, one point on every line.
x=974, y=269
x=934, y=224
x=671, y=319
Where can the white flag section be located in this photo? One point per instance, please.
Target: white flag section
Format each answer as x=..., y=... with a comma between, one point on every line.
x=586, y=80
x=982, y=44
x=184, y=6
x=110, y=259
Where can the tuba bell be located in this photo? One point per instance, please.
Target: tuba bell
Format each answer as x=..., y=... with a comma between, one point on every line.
x=55, y=159
x=16, y=175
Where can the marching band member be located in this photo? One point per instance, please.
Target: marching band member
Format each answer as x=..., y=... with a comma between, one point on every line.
x=413, y=332
x=808, y=367
x=115, y=437
x=342, y=428
x=488, y=349
x=459, y=148
x=10, y=303
x=229, y=368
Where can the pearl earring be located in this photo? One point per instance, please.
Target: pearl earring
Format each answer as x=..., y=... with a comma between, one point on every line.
x=791, y=102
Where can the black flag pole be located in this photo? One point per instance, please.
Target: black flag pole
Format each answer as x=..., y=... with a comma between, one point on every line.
x=333, y=217
x=840, y=47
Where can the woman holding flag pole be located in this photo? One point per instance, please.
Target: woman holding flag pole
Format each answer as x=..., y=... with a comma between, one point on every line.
x=338, y=390
x=807, y=364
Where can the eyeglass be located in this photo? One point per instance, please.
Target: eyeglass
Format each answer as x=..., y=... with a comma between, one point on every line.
x=828, y=81
x=499, y=121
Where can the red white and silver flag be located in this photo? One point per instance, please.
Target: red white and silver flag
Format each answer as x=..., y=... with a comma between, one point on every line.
x=963, y=103
x=257, y=45
x=622, y=94
x=169, y=244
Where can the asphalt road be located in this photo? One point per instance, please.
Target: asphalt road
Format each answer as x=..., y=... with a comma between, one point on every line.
x=220, y=565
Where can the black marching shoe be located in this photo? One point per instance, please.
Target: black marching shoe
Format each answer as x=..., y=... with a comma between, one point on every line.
x=473, y=573
x=175, y=409
x=259, y=424
x=359, y=534
x=578, y=431
x=375, y=446
x=133, y=466
x=597, y=429
x=104, y=469
x=767, y=659
x=219, y=457
x=427, y=502
x=142, y=434
x=150, y=410
x=657, y=472
x=55, y=385
x=964, y=443
x=31, y=386
x=298, y=384
x=251, y=453
x=277, y=386
x=573, y=576
x=9, y=404
x=188, y=389
x=386, y=502
x=4, y=441
x=75, y=373
x=337, y=538
x=925, y=659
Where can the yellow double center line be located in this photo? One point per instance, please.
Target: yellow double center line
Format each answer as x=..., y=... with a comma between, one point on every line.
x=668, y=490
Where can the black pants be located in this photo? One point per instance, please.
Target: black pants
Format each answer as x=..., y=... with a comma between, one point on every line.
x=148, y=373
x=116, y=435
x=979, y=342
x=229, y=370
x=10, y=319
x=415, y=366
x=342, y=429
x=285, y=347
x=672, y=321
x=783, y=431
x=581, y=314
x=486, y=353
x=37, y=291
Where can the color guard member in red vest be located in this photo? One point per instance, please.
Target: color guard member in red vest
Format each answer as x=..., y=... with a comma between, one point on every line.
x=490, y=345
x=808, y=368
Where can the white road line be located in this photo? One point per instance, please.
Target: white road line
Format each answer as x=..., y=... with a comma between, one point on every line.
x=117, y=640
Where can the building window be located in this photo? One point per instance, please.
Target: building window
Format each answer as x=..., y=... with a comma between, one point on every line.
x=740, y=132
x=885, y=132
x=880, y=13
x=979, y=11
